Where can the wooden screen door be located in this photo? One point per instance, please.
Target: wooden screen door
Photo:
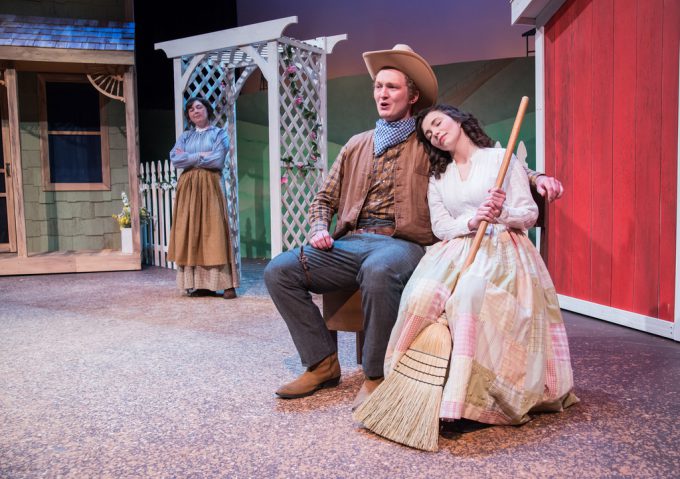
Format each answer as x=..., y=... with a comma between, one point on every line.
x=7, y=220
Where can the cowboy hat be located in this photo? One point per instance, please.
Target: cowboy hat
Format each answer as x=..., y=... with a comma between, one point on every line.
x=404, y=59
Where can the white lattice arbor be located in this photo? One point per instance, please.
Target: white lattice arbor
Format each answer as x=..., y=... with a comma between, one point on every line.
x=216, y=66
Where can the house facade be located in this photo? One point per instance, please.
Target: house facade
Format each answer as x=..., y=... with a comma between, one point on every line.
x=69, y=137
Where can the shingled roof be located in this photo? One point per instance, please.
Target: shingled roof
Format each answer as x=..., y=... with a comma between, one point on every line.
x=25, y=31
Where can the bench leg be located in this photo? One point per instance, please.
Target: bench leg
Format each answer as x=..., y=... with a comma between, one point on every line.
x=360, y=345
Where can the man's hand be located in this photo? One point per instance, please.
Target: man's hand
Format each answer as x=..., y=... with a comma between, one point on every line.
x=321, y=240
x=548, y=187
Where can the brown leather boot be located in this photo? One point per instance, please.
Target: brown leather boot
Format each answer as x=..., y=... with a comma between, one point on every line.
x=326, y=374
x=366, y=390
x=229, y=293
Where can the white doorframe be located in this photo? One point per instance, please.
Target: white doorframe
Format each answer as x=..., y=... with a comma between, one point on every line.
x=539, y=66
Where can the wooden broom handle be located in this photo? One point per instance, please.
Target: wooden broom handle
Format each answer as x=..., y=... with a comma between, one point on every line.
x=481, y=231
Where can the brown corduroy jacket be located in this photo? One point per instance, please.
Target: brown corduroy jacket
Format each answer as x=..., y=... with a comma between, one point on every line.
x=412, y=215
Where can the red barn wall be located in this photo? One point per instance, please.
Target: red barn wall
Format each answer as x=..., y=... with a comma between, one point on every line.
x=611, y=137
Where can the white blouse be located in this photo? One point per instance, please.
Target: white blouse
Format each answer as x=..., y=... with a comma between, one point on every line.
x=453, y=202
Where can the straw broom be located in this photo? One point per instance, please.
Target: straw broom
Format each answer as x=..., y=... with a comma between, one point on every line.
x=405, y=407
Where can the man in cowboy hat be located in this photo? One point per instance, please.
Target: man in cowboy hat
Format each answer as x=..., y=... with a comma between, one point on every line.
x=378, y=189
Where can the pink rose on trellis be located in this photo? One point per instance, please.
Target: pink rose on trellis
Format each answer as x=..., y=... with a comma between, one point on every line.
x=308, y=113
x=284, y=180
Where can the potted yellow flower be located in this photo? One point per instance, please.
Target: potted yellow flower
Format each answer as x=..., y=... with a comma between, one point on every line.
x=125, y=223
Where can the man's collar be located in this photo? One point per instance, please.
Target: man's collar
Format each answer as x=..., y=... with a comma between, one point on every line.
x=390, y=133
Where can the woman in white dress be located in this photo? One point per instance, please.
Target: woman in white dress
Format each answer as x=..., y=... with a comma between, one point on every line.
x=510, y=352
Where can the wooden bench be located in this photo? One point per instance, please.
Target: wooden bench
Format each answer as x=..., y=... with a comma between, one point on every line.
x=342, y=312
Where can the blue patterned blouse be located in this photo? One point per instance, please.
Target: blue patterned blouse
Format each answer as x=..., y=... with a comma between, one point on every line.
x=192, y=142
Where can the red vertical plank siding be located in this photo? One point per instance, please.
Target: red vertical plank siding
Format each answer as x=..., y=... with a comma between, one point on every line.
x=582, y=159
x=647, y=157
x=562, y=227
x=611, y=137
x=602, y=140
x=669, y=157
x=624, y=130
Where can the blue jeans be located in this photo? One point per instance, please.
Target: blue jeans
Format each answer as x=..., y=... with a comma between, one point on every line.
x=379, y=265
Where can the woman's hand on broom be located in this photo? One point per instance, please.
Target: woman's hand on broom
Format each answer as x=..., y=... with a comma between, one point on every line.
x=497, y=197
x=489, y=210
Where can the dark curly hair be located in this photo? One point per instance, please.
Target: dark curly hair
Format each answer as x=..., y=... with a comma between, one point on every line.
x=202, y=101
x=439, y=159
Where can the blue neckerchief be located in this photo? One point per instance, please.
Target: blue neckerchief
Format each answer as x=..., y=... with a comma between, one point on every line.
x=387, y=134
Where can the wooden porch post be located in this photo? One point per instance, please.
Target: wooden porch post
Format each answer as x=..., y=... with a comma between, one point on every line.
x=15, y=158
x=130, y=94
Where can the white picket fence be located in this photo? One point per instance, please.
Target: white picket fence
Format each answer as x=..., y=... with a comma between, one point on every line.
x=157, y=184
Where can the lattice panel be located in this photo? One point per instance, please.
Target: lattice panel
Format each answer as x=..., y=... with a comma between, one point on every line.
x=301, y=130
x=296, y=196
x=211, y=81
x=297, y=131
x=230, y=171
x=215, y=83
x=237, y=58
x=230, y=175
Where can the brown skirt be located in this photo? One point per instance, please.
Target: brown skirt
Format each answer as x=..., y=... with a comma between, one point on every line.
x=199, y=235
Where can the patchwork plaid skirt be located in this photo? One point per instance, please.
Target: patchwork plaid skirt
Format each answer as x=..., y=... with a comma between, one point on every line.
x=510, y=352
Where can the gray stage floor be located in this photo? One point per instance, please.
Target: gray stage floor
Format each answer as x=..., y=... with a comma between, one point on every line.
x=118, y=375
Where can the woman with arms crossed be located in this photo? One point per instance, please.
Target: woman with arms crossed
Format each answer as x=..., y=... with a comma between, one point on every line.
x=199, y=239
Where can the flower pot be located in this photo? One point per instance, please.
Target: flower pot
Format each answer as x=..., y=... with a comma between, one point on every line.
x=126, y=240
